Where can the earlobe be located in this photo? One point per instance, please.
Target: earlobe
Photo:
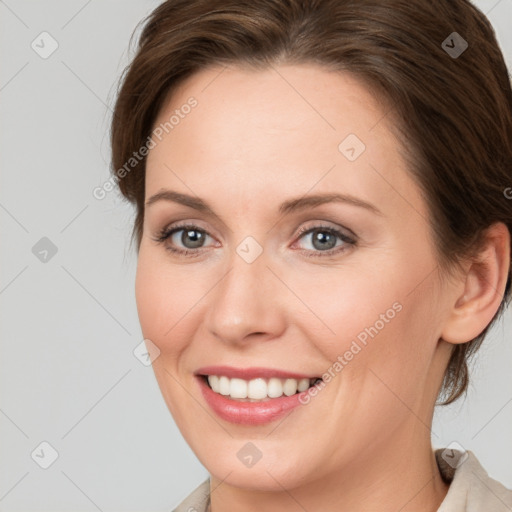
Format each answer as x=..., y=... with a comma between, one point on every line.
x=483, y=289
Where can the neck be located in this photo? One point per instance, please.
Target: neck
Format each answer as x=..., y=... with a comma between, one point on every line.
x=401, y=475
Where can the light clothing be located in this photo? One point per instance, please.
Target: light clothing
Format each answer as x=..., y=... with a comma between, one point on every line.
x=471, y=488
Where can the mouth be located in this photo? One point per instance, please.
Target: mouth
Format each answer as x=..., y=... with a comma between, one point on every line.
x=256, y=395
x=259, y=389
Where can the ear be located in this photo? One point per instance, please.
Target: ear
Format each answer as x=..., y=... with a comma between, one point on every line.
x=482, y=290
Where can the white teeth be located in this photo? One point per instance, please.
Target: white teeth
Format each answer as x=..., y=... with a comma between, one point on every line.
x=259, y=388
x=223, y=386
x=290, y=387
x=303, y=385
x=274, y=388
x=238, y=388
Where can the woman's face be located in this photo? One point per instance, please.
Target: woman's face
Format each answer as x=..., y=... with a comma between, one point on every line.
x=284, y=286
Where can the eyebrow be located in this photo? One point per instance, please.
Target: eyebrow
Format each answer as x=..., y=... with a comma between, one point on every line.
x=289, y=206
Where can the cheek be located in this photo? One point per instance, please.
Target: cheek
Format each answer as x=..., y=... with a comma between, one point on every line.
x=164, y=302
x=396, y=353
x=368, y=318
x=344, y=305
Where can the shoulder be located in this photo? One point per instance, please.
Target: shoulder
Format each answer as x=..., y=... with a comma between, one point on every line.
x=471, y=488
x=197, y=501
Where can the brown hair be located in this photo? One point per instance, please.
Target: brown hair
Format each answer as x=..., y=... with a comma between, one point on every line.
x=451, y=112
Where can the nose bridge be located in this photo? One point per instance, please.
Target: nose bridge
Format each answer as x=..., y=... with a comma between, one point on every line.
x=242, y=303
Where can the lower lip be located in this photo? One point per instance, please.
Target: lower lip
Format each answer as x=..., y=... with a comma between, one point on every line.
x=249, y=413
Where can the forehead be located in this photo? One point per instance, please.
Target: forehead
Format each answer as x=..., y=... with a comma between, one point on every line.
x=253, y=131
x=279, y=99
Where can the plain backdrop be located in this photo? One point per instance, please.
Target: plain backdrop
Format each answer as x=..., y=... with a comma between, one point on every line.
x=69, y=326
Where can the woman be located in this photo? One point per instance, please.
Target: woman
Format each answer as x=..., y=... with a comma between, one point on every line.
x=251, y=134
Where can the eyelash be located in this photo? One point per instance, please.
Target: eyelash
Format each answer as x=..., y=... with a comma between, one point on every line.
x=166, y=233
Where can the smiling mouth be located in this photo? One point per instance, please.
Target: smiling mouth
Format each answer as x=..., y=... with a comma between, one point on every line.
x=258, y=389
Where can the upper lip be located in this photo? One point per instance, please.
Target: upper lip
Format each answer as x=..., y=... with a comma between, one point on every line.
x=252, y=373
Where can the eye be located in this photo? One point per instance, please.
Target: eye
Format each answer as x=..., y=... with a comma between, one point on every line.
x=191, y=236
x=324, y=241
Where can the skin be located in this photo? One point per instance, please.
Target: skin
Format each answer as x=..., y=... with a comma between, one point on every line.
x=256, y=139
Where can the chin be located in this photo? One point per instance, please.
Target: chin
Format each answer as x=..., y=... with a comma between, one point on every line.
x=271, y=472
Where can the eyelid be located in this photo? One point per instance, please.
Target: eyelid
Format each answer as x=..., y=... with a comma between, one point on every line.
x=183, y=224
x=349, y=241
x=326, y=224
x=318, y=223
x=170, y=230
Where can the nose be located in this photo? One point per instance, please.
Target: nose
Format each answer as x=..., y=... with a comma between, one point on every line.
x=244, y=305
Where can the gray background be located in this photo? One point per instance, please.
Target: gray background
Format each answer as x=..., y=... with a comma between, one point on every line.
x=69, y=325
